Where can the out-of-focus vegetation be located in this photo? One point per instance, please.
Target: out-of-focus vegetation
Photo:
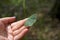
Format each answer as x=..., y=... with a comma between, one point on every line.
x=44, y=28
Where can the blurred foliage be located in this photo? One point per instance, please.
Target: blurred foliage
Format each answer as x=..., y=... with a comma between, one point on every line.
x=43, y=28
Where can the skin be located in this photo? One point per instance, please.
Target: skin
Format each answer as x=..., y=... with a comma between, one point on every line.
x=10, y=30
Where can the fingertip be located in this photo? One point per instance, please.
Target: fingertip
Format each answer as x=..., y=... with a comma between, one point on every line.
x=24, y=20
x=11, y=19
x=26, y=30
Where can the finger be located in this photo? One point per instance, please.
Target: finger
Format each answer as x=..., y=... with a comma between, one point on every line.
x=7, y=20
x=9, y=30
x=19, y=36
x=18, y=24
x=19, y=30
x=10, y=37
x=10, y=33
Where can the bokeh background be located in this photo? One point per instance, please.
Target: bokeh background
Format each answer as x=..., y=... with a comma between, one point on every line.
x=46, y=28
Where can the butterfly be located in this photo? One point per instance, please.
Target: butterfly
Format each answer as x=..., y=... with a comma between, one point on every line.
x=31, y=20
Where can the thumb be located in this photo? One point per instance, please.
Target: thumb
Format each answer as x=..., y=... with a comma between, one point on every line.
x=7, y=20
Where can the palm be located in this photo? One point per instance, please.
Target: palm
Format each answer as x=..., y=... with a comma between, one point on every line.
x=3, y=32
x=3, y=27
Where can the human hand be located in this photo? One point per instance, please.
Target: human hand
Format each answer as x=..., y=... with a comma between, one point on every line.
x=17, y=30
x=12, y=31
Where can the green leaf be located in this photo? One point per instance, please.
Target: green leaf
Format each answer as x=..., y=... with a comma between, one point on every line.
x=31, y=20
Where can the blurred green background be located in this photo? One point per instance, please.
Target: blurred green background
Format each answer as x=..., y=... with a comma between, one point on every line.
x=44, y=28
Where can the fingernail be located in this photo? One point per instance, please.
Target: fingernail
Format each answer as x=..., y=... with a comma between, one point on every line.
x=14, y=16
